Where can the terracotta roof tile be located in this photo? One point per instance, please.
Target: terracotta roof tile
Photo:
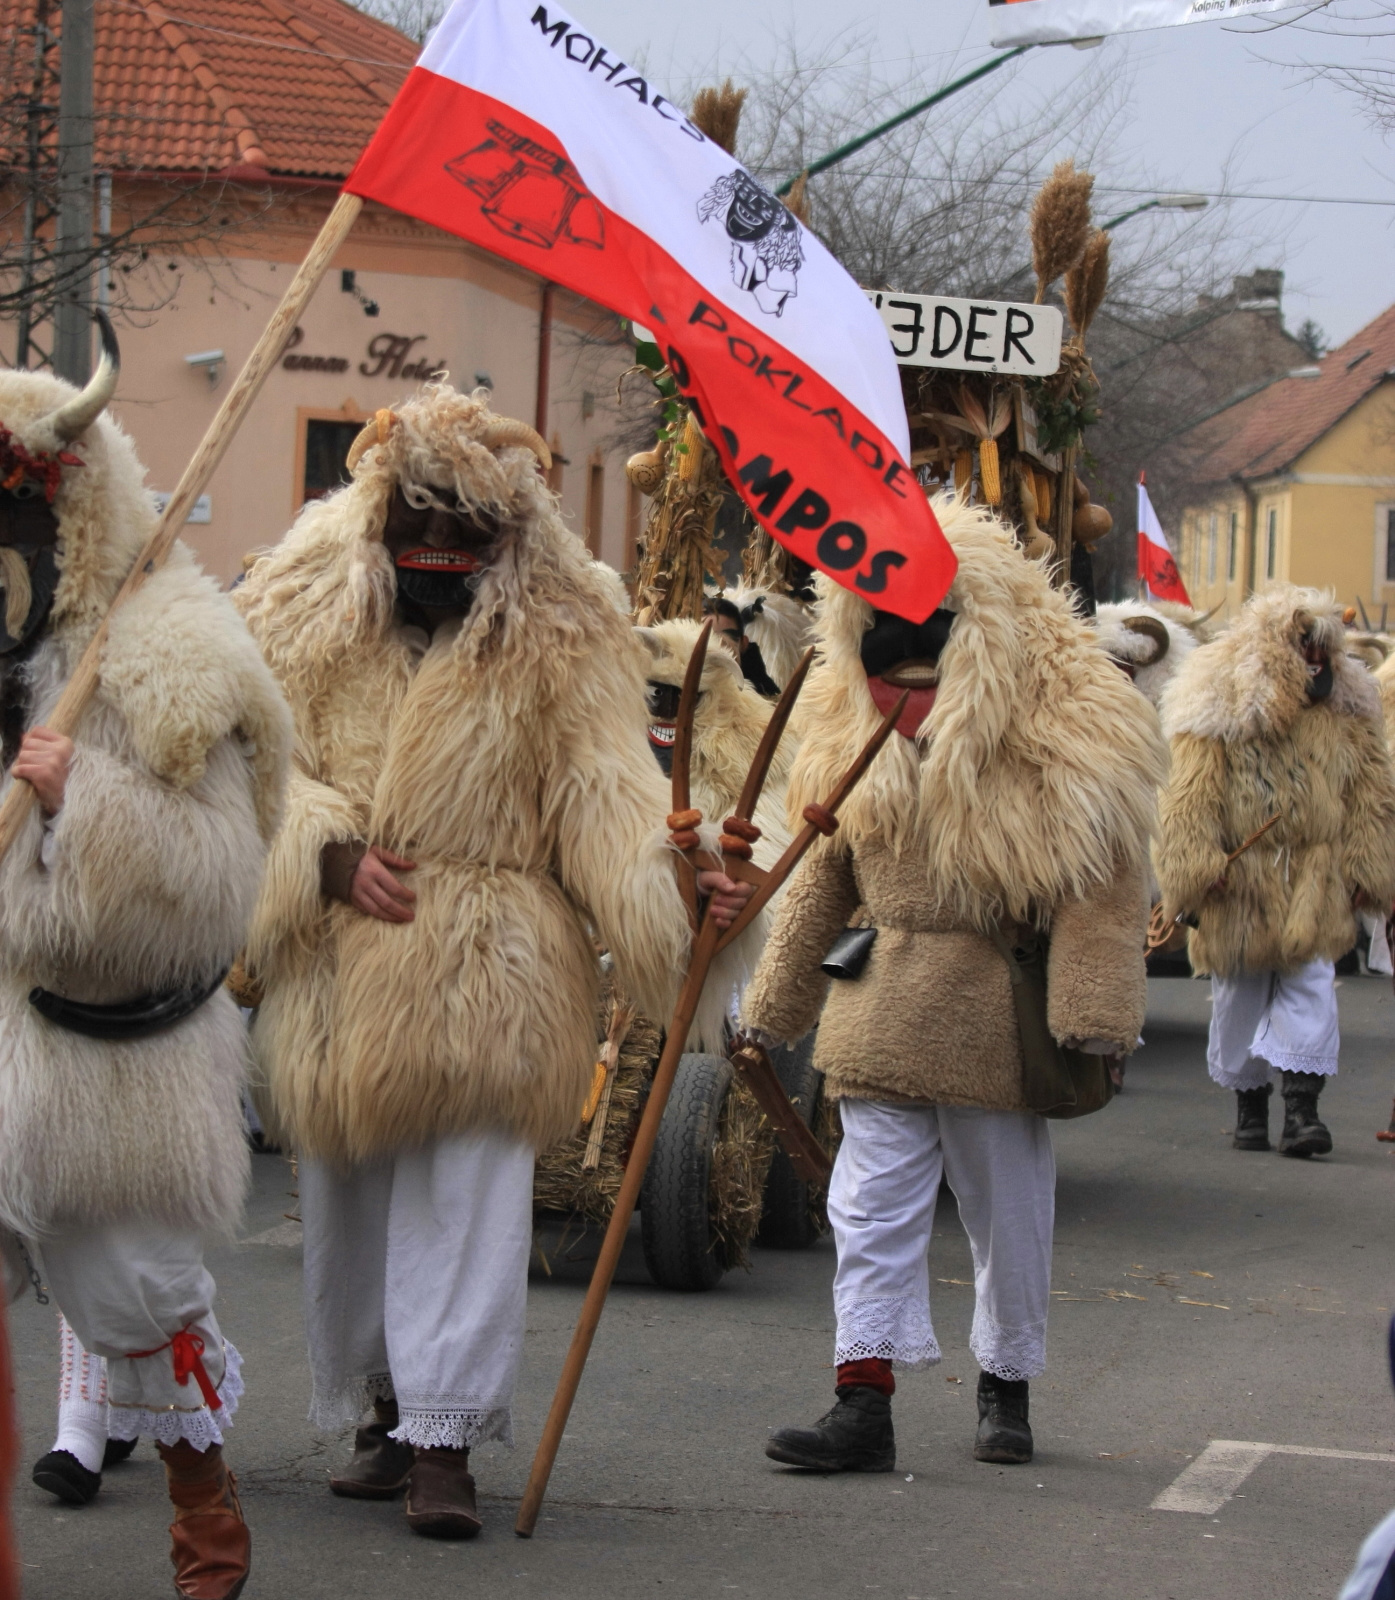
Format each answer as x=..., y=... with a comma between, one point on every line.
x=294, y=86
x=1268, y=431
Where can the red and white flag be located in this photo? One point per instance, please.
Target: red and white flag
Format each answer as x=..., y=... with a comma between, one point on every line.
x=1157, y=570
x=1058, y=21
x=521, y=132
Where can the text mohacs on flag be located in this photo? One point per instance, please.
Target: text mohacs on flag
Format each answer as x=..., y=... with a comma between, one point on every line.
x=520, y=132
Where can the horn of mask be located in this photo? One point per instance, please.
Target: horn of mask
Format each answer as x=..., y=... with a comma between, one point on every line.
x=1150, y=628
x=77, y=415
x=375, y=432
x=504, y=431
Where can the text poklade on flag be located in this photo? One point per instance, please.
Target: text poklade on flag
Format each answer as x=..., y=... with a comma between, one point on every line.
x=519, y=131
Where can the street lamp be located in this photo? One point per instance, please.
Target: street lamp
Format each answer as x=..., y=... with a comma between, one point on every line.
x=1161, y=202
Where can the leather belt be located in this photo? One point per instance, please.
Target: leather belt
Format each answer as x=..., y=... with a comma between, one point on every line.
x=126, y=1019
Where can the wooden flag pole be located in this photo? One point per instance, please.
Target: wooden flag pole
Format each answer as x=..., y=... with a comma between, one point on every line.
x=265, y=354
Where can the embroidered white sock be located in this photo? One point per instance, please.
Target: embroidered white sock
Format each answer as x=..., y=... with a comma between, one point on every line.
x=82, y=1401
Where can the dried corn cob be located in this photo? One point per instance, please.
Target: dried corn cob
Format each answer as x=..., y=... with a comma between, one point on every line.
x=988, y=471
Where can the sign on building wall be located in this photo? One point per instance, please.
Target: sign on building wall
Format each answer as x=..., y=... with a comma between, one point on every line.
x=931, y=330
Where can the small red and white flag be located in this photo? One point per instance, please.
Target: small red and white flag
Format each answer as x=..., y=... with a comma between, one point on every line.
x=1157, y=570
x=521, y=132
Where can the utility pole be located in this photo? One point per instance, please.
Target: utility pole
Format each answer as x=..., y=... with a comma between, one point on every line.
x=72, y=320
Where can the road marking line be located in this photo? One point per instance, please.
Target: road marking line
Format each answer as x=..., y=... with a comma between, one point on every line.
x=1205, y=1485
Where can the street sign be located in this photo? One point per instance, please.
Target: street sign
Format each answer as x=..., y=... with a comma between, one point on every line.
x=931, y=330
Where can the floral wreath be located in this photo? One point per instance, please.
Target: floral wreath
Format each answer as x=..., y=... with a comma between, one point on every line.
x=42, y=467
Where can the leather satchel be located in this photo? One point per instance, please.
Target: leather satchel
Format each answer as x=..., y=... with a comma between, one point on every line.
x=849, y=952
x=1056, y=1082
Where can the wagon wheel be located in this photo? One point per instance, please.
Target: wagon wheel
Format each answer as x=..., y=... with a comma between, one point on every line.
x=793, y=1215
x=681, y=1248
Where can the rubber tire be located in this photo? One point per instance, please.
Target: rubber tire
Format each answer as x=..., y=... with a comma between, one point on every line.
x=785, y=1221
x=680, y=1249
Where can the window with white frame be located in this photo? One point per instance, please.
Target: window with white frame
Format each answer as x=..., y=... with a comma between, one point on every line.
x=1231, y=546
x=1211, y=549
x=1271, y=541
x=1389, y=531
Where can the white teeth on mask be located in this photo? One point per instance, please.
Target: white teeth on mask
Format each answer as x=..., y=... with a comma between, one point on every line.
x=661, y=734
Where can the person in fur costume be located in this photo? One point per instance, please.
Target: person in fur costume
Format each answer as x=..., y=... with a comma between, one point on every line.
x=473, y=805
x=1021, y=790
x=1149, y=642
x=122, y=903
x=1274, y=717
x=773, y=630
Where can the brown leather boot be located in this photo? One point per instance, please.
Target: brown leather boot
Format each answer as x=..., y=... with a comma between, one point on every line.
x=379, y=1465
x=441, y=1495
x=210, y=1544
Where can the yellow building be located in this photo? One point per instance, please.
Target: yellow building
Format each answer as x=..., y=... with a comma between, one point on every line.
x=1296, y=484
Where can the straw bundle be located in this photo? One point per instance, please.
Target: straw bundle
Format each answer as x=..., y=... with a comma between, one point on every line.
x=740, y=1163
x=1060, y=224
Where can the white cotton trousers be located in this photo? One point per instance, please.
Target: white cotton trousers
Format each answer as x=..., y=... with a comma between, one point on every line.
x=881, y=1204
x=1265, y=1022
x=127, y=1289
x=416, y=1287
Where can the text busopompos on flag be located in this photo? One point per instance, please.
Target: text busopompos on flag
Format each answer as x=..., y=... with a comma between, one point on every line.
x=1058, y=21
x=520, y=132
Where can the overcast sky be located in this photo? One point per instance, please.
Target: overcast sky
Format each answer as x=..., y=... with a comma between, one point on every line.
x=1211, y=110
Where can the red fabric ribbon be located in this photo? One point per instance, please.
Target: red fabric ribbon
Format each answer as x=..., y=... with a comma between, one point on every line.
x=186, y=1351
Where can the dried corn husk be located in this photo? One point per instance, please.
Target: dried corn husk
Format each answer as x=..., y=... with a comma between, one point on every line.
x=1060, y=224
x=988, y=471
x=1087, y=281
x=963, y=470
x=717, y=113
x=677, y=555
x=1042, y=483
x=690, y=456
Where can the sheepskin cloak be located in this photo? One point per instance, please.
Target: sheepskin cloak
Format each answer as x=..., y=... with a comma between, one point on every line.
x=508, y=759
x=1246, y=742
x=147, y=878
x=1029, y=797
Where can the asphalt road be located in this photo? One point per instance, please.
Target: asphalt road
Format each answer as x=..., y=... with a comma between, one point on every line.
x=1201, y=1294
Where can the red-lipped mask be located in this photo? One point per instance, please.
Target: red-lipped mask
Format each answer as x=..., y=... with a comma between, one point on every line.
x=439, y=547
x=897, y=656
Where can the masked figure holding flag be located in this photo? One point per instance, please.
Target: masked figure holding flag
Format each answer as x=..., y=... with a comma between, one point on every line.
x=473, y=805
x=122, y=903
x=1019, y=795
x=1275, y=727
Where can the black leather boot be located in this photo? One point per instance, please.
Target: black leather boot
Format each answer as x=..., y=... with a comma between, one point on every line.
x=1252, y=1118
x=856, y=1436
x=379, y=1466
x=1004, y=1435
x=1305, y=1134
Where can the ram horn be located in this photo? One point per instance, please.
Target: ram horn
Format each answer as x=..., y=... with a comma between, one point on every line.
x=77, y=415
x=504, y=431
x=1198, y=623
x=1152, y=629
x=376, y=432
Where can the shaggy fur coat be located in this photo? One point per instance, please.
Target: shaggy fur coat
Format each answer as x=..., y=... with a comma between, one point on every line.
x=1246, y=742
x=1121, y=643
x=146, y=878
x=1028, y=797
x=509, y=759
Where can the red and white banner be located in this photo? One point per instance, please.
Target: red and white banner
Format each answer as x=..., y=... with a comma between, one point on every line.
x=521, y=132
x=1057, y=21
x=1157, y=570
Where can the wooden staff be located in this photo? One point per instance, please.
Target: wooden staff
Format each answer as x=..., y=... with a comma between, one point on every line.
x=1159, y=932
x=706, y=946
x=80, y=688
